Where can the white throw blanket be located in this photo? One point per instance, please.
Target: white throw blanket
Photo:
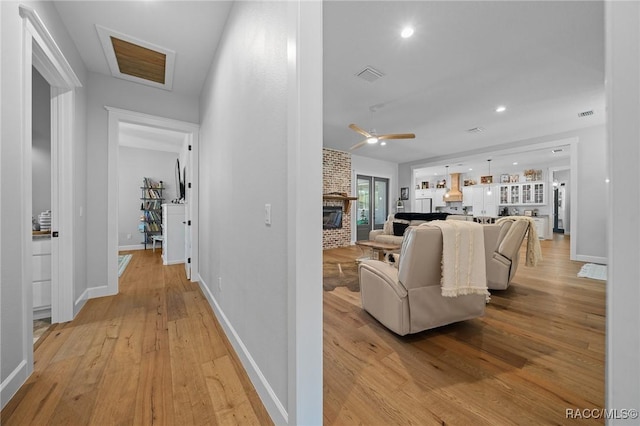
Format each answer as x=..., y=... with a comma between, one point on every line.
x=464, y=269
x=534, y=251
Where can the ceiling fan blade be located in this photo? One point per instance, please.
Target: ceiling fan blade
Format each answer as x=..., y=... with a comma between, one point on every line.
x=358, y=145
x=359, y=130
x=397, y=136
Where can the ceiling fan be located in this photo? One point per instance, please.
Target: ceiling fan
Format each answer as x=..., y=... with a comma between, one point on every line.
x=372, y=138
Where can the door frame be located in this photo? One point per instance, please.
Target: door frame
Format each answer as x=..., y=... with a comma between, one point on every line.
x=192, y=130
x=372, y=191
x=40, y=51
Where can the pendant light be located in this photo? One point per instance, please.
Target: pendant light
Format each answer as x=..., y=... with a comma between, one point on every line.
x=489, y=187
x=446, y=182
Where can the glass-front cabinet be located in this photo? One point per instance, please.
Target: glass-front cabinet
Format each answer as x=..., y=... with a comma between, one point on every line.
x=522, y=194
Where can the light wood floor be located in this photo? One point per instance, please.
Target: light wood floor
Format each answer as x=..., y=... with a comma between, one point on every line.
x=538, y=351
x=153, y=354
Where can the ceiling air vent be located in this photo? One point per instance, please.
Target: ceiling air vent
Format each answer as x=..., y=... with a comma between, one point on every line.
x=585, y=113
x=369, y=74
x=475, y=130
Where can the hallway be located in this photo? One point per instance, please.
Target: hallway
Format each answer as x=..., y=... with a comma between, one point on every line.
x=153, y=354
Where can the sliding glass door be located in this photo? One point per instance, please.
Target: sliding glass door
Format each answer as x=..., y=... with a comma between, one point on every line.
x=373, y=204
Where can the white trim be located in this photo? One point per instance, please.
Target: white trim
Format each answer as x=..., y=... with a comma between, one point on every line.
x=47, y=52
x=265, y=391
x=27, y=191
x=99, y=291
x=104, y=34
x=80, y=301
x=117, y=115
x=591, y=259
x=174, y=262
x=573, y=214
x=12, y=383
x=132, y=247
x=304, y=190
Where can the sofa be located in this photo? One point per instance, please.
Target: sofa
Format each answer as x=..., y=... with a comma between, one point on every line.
x=396, y=224
x=407, y=298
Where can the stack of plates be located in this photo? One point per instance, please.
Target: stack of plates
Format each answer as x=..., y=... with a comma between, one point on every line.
x=44, y=219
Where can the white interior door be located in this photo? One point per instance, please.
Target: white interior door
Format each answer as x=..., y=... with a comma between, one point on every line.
x=188, y=207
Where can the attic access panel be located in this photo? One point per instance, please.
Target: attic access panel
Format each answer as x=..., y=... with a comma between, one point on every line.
x=137, y=60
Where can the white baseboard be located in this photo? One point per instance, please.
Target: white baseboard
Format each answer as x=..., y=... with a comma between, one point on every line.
x=173, y=262
x=80, y=301
x=591, y=259
x=269, y=398
x=133, y=247
x=12, y=383
x=40, y=313
x=101, y=291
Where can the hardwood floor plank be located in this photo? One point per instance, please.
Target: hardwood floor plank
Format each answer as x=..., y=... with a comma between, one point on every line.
x=123, y=361
x=538, y=351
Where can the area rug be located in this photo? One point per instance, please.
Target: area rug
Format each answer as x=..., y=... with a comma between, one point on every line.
x=123, y=261
x=593, y=271
x=340, y=275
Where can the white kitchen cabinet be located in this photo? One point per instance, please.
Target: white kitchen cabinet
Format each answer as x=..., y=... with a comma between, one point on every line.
x=423, y=205
x=522, y=194
x=41, y=277
x=438, y=197
x=173, y=224
x=467, y=196
x=542, y=225
x=484, y=204
x=423, y=193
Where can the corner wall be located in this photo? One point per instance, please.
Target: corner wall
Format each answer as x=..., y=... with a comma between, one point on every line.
x=336, y=177
x=260, y=144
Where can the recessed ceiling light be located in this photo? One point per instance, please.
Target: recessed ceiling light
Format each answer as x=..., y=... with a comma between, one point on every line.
x=501, y=108
x=406, y=32
x=515, y=163
x=470, y=169
x=383, y=143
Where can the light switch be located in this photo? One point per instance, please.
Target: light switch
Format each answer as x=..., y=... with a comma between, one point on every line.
x=267, y=214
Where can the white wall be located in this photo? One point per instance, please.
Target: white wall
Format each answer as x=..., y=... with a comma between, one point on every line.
x=256, y=148
x=588, y=231
x=15, y=353
x=134, y=165
x=109, y=91
x=41, y=145
x=622, y=32
x=378, y=168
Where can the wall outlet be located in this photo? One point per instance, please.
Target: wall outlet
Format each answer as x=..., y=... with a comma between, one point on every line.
x=220, y=284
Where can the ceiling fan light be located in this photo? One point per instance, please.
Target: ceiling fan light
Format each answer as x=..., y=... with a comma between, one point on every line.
x=383, y=143
x=372, y=140
x=406, y=32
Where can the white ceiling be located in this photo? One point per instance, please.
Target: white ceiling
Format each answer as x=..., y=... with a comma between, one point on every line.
x=190, y=28
x=543, y=60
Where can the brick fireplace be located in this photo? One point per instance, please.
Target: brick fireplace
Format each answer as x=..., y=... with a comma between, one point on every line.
x=336, y=178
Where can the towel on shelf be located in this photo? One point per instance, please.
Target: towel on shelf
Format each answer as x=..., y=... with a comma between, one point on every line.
x=534, y=251
x=463, y=258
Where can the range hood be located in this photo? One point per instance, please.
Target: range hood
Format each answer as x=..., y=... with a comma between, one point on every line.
x=454, y=193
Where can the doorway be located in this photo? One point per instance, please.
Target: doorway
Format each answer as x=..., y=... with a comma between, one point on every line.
x=189, y=132
x=373, y=204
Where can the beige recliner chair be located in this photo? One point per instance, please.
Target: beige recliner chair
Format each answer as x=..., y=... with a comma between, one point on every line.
x=408, y=299
x=504, y=261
